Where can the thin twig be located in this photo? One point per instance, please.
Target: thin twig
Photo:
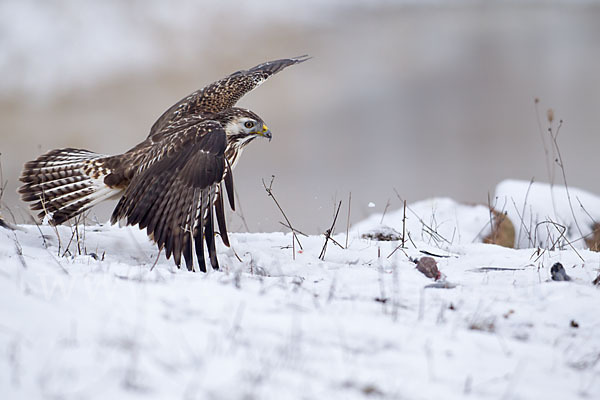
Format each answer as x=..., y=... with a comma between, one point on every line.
x=348, y=220
x=523, y=212
x=2, y=183
x=404, y=224
x=77, y=234
x=156, y=261
x=19, y=250
x=329, y=232
x=494, y=232
x=562, y=168
x=69, y=244
x=240, y=210
x=541, y=131
x=411, y=241
x=293, y=229
x=522, y=223
x=44, y=242
x=403, y=242
x=561, y=235
x=384, y=211
x=594, y=222
x=399, y=247
x=295, y=238
x=43, y=203
x=432, y=232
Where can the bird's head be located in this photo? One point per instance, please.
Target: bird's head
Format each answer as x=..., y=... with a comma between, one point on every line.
x=243, y=125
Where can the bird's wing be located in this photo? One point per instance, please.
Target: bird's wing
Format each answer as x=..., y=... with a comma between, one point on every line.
x=224, y=93
x=173, y=193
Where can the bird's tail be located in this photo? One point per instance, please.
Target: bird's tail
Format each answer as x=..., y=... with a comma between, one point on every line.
x=63, y=183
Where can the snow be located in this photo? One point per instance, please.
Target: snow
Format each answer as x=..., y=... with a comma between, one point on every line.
x=358, y=324
x=434, y=221
x=534, y=204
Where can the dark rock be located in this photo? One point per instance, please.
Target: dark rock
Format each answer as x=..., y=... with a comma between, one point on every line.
x=558, y=273
x=574, y=324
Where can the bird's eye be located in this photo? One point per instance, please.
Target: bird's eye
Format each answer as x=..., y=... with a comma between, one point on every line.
x=249, y=124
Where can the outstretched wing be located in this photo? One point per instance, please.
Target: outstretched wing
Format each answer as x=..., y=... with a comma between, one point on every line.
x=173, y=192
x=224, y=93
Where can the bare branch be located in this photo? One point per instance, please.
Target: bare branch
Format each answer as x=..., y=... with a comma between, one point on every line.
x=269, y=190
x=329, y=232
x=348, y=220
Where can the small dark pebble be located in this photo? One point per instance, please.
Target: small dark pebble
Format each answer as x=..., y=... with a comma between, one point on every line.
x=574, y=324
x=371, y=390
x=558, y=273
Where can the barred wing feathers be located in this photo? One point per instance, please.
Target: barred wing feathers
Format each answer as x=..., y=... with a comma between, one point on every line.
x=63, y=183
x=224, y=93
x=173, y=193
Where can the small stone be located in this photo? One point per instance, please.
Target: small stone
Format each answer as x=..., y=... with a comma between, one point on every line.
x=574, y=324
x=558, y=273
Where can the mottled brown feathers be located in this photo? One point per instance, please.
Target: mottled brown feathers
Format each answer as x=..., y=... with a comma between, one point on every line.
x=161, y=197
x=224, y=93
x=172, y=184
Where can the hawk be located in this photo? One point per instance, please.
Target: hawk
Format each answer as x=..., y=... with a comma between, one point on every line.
x=172, y=184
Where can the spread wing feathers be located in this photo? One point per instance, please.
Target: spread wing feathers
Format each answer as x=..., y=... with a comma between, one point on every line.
x=228, y=178
x=224, y=93
x=63, y=183
x=173, y=194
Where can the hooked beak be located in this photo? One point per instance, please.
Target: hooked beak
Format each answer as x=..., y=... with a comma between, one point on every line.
x=265, y=132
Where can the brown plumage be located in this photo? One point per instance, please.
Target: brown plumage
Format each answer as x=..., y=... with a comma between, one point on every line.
x=172, y=184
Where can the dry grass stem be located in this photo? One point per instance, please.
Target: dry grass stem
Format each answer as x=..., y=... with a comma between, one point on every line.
x=348, y=219
x=269, y=190
x=329, y=232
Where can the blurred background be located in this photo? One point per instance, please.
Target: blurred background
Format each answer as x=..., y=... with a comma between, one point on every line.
x=422, y=98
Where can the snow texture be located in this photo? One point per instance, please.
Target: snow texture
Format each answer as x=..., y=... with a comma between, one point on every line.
x=358, y=324
x=437, y=221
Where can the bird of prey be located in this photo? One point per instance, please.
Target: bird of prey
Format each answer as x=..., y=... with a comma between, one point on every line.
x=172, y=183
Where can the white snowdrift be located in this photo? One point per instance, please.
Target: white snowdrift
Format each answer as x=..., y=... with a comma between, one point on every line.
x=357, y=325
x=539, y=212
x=437, y=221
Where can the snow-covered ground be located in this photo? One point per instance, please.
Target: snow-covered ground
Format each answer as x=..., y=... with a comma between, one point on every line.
x=362, y=323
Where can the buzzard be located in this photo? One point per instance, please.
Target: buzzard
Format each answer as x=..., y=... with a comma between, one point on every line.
x=172, y=184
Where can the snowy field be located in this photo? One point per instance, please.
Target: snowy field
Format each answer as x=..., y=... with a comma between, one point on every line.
x=362, y=323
